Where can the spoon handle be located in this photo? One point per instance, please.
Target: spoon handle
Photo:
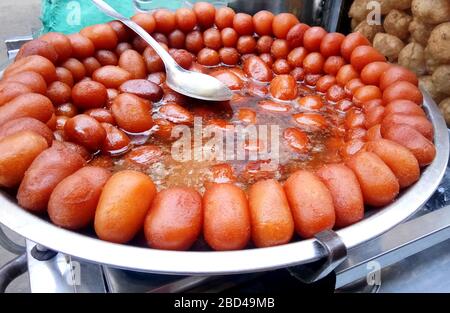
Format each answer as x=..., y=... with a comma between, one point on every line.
x=108, y=10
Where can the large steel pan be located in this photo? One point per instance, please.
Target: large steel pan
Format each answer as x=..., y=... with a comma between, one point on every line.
x=144, y=259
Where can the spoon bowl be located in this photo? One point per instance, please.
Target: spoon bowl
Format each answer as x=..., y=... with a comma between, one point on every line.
x=186, y=82
x=189, y=83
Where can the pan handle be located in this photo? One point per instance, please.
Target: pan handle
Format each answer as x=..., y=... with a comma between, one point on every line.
x=336, y=252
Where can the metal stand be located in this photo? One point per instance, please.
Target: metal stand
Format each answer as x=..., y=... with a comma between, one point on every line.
x=405, y=240
x=53, y=272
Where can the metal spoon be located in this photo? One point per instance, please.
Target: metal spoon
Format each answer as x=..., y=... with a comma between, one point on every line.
x=189, y=83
